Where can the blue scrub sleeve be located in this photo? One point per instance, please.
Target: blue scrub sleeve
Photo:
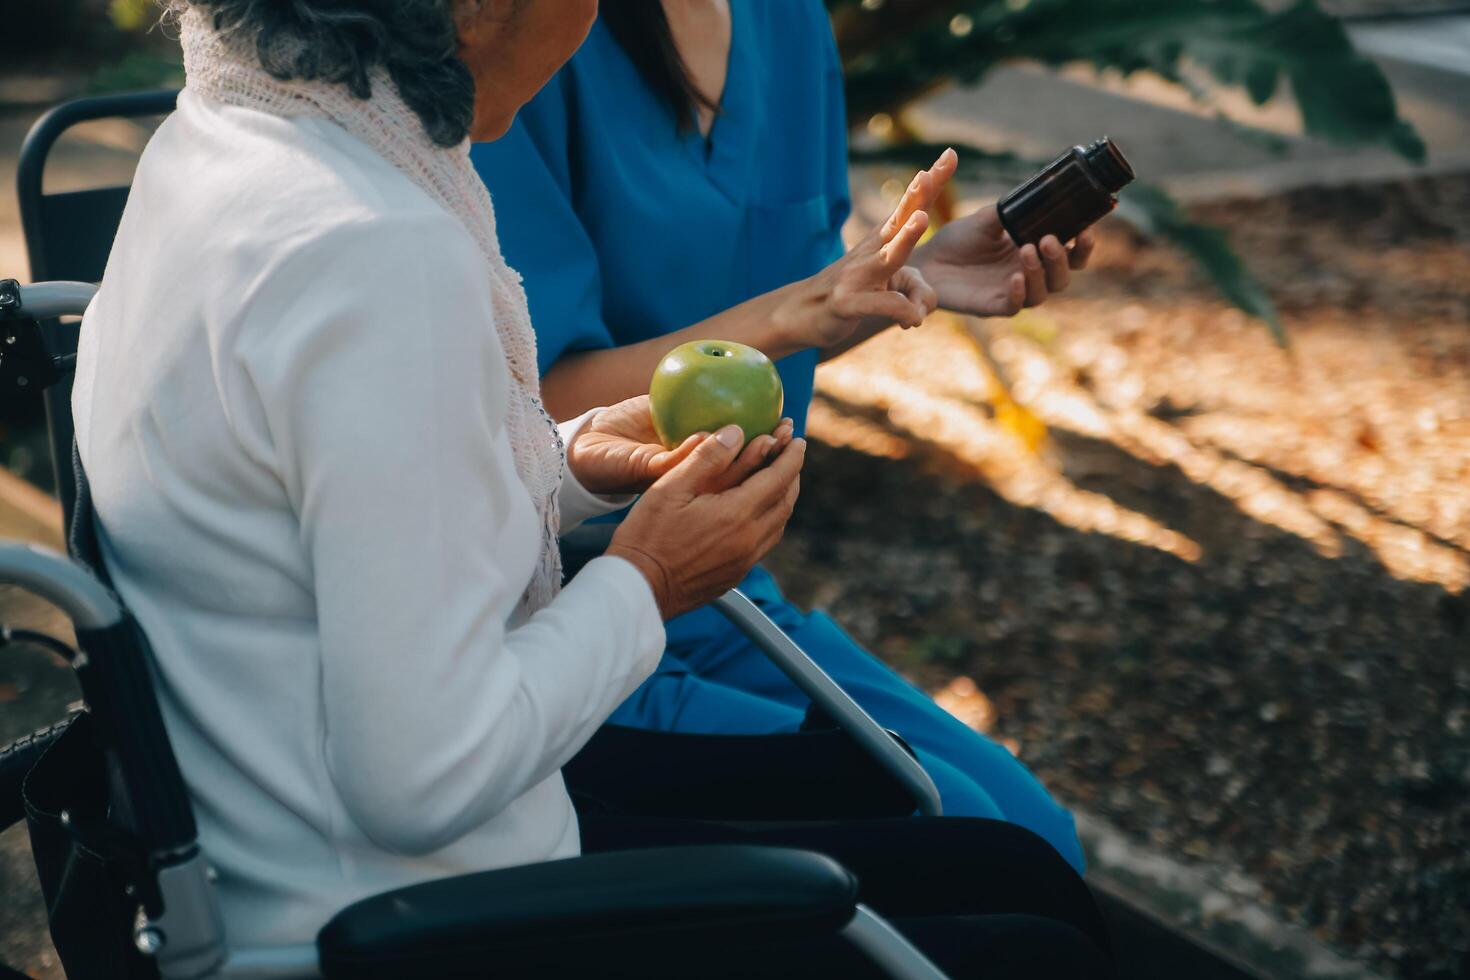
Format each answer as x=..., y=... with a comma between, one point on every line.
x=528, y=172
x=839, y=188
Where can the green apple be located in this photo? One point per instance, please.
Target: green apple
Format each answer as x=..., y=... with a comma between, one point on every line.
x=705, y=385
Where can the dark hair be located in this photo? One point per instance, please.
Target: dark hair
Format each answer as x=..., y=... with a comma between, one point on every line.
x=642, y=29
x=341, y=41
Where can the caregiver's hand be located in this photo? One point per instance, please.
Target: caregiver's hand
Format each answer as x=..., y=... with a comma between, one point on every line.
x=874, y=278
x=619, y=452
x=693, y=537
x=976, y=268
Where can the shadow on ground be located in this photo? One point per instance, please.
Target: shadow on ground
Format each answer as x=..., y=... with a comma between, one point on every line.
x=1263, y=707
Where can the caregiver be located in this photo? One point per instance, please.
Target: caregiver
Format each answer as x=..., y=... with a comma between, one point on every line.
x=685, y=176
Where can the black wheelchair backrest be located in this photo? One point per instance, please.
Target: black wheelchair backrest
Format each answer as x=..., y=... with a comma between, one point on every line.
x=69, y=234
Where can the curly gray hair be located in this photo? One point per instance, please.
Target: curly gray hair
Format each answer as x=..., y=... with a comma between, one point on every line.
x=341, y=41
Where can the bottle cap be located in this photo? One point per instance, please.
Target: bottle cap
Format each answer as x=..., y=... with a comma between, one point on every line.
x=1110, y=165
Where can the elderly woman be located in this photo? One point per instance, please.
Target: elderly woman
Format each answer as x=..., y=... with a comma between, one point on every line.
x=307, y=400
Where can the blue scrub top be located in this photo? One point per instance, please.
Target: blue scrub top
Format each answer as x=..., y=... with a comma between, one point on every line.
x=625, y=228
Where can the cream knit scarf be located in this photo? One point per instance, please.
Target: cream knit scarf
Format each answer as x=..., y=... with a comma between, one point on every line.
x=223, y=66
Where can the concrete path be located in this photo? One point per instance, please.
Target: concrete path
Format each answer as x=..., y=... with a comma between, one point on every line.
x=1441, y=43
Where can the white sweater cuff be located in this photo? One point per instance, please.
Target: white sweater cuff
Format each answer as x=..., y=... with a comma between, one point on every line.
x=637, y=611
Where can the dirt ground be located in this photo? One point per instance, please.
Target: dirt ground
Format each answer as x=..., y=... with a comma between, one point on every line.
x=1223, y=601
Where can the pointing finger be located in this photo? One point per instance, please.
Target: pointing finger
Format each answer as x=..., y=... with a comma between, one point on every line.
x=896, y=253
x=913, y=200
x=922, y=192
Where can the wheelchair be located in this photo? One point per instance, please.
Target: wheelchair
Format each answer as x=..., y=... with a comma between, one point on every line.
x=129, y=890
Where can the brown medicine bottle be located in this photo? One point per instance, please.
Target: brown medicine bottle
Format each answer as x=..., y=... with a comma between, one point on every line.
x=1079, y=188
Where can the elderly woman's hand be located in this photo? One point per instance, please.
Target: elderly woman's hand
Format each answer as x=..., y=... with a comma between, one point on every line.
x=618, y=451
x=694, y=535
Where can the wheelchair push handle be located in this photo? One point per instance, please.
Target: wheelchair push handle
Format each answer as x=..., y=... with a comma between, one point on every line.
x=45, y=300
x=28, y=362
x=66, y=585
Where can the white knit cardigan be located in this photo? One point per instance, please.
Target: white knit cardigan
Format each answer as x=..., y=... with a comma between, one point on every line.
x=224, y=66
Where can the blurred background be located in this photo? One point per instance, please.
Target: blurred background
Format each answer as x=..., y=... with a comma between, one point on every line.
x=1193, y=539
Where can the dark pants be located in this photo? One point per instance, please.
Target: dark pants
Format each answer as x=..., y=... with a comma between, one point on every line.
x=982, y=898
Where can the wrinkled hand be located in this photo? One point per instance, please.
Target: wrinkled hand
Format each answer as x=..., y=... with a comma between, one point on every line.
x=976, y=268
x=619, y=452
x=874, y=278
x=695, y=534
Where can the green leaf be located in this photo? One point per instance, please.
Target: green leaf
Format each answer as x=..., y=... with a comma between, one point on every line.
x=1260, y=82
x=1154, y=212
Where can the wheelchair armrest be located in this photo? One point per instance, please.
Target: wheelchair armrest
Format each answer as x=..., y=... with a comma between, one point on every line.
x=573, y=916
